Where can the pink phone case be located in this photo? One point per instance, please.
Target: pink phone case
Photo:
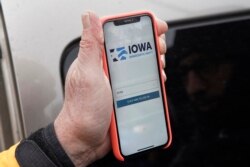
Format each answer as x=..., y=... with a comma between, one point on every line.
x=113, y=128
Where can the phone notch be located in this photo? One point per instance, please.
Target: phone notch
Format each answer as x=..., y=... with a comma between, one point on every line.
x=127, y=20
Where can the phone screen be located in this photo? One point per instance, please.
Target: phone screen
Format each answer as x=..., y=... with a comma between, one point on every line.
x=136, y=86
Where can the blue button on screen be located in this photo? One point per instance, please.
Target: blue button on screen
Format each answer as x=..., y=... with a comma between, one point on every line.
x=137, y=99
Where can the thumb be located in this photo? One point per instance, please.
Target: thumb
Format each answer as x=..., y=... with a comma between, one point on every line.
x=91, y=40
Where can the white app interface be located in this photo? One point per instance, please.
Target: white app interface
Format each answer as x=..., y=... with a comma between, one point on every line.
x=135, y=85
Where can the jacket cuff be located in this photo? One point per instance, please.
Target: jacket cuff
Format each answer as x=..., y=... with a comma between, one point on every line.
x=42, y=145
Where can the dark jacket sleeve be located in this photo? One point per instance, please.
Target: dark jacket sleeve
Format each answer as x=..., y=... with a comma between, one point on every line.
x=42, y=149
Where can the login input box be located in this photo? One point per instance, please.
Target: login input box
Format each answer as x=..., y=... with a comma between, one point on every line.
x=136, y=89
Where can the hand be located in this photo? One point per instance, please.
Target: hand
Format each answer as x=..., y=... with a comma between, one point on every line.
x=82, y=127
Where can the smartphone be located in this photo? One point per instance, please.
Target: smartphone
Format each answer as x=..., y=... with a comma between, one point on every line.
x=140, y=120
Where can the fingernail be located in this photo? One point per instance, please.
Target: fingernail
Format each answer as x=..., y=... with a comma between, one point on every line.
x=86, y=21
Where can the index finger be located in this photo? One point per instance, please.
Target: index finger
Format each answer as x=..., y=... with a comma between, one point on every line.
x=162, y=26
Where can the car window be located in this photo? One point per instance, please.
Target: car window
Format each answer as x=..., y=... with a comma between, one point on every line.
x=208, y=89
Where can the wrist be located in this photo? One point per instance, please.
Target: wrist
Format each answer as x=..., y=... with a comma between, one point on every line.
x=80, y=153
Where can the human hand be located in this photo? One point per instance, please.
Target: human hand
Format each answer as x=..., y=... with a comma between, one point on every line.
x=83, y=124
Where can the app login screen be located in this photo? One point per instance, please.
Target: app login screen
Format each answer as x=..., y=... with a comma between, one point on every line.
x=135, y=85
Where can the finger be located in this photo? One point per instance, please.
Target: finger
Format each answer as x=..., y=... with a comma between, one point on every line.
x=163, y=46
x=163, y=61
x=91, y=39
x=162, y=26
x=92, y=23
x=164, y=75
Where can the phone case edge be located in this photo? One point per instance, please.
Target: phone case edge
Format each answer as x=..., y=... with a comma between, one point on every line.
x=113, y=128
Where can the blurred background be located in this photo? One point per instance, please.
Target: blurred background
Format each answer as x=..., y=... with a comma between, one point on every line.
x=207, y=69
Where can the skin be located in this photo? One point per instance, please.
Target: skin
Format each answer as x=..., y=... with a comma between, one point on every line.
x=82, y=126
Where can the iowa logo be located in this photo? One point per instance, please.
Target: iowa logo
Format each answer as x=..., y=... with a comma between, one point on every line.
x=121, y=54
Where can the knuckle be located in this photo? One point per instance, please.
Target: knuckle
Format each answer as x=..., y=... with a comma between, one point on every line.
x=87, y=43
x=163, y=36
